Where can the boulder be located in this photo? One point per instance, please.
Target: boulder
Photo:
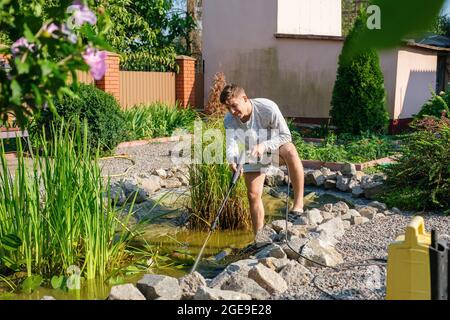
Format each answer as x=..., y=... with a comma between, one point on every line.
x=295, y=274
x=125, y=292
x=317, y=251
x=368, y=212
x=314, y=217
x=131, y=190
x=378, y=205
x=279, y=225
x=205, y=293
x=265, y=236
x=333, y=228
x=350, y=213
x=150, y=184
x=327, y=216
x=294, y=248
x=314, y=178
x=241, y=284
x=117, y=194
x=396, y=210
x=360, y=220
x=189, y=285
x=241, y=267
x=182, y=178
x=268, y=279
x=274, y=177
x=373, y=189
x=171, y=183
x=342, y=183
x=272, y=250
x=358, y=176
x=274, y=263
x=340, y=208
x=357, y=192
x=330, y=184
x=348, y=169
x=328, y=207
x=155, y=286
x=347, y=224
x=161, y=173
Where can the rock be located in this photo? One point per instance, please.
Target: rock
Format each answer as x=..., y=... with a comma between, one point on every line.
x=117, y=195
x=171, y=183
x=222, y=255
x=359, y=220
x=155, y=286
x=368, y=212
x=373, y=189
x=378, y=205
x=301, y=221
x=268, y=279
x=350, y=213
x=328, y=207
x=298, y=231
x=330, y=184
x=348, y=169
x=182, y=178
x=396, y=210
x=327, y=215
x=379, y=216
x=132, y=190
x=366, y=181
x=295, y=274
x=189, y=285
x=296, y=244
x=150, y=184
x=205, y=293
x=314, y=217
x=358, y=176
x=272, y=250
x=353, y=184
x=274, y=263
x=317, y=251
x=274, y=177
x=357, y=192
x=161, y=173
x=279, y=225
x=332, y=177
x=265, y=236
x=314, y=178
x=340, y=208
x=379, y=177
x=326, y=171
x=125, y=292
x=347, y=225
x=276, y=194
x=49, y=298
x=241, y=284
x=242, y=267
x=342, y=183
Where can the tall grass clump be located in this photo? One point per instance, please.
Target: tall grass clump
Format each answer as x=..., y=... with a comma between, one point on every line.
x=55, y=204
x=209, y=184
x=157, y=120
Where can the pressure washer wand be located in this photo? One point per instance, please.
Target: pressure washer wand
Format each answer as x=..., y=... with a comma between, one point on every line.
x=216, y=220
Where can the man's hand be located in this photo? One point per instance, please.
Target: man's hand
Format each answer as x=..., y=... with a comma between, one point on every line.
x=233, y=167
x=258, y=150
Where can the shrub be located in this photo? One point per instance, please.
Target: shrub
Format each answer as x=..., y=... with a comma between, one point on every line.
x=358, y=100
x=436, y=106
x=157, y=120
x=105, y=119
x=214, y=107
x=421, y=177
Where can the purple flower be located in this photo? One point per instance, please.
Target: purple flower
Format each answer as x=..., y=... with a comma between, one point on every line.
x=96, y=60
x=71, y=36
x=81, y=14
x=50, y=29
x=21, y=43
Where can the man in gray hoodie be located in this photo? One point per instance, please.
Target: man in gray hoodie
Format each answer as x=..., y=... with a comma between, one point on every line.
x=258, y=126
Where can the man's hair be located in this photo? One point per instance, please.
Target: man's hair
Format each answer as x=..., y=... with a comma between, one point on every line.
x=229, y=92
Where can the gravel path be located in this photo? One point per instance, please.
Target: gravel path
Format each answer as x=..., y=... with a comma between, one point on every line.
x=362, y=242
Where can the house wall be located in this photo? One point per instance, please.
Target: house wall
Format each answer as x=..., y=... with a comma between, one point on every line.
x=318, y=17
x=298, y=73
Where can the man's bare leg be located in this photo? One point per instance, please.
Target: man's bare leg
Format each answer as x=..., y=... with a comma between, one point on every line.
x=289, y=156
x=255, y=184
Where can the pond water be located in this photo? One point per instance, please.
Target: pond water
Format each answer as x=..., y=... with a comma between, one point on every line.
x=181, y=244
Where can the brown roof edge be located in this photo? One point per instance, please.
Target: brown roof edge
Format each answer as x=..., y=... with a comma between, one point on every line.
x=308, y=37
x=181, y=57
x=411, y=43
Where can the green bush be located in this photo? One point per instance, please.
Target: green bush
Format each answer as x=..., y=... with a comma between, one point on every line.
x=435, y=106
x=106, y=122
x=421, y=177
x=157, y=120
x=358, y=100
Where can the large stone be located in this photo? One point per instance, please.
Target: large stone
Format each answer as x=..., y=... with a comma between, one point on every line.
x=347, y=224
x=301, y=221
x=326, y=171
x=150, y=184
x=117, y=194
x=327, y=207
x=378, y=205
x=360, y=220
x=272, y=250
x=340, y=208
x=314, y=178
x=268, y=279
x=358, y=176
x=327, y=215
x=348, y=169
x=155, y=286
x=161, y=173
x=357, y=192
x=189, y=285
x=132, y=190
x=352, y=184
x=274, y=177
x=241, y=284
x=265, y=236
x=342, y=183
x=205, y=293
x=295, y=274
x=368, y=212
x=330, y=184
x=241, y=267
x=317, y=251
x=274, y=263
x=396, y=210
x=294, y=248
x=279, y=225
x=125, y=292
x=373, y=189
x=333, y=228
x=350, y=213
x=171, y=183
x=314, y=217
x=183, y=178
x=298, y=231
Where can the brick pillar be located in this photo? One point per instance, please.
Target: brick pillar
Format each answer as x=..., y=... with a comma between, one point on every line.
x=111, y=81
x=185, y=81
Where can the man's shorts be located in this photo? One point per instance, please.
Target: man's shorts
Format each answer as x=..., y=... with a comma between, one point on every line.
x=256, y=167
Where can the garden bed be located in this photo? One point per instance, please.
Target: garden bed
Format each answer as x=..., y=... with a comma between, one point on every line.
x=338, y=166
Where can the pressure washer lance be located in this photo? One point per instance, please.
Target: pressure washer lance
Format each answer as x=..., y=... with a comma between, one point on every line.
x=216, y=220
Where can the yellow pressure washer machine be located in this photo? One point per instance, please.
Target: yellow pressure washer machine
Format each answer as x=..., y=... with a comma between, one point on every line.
x=418, y=265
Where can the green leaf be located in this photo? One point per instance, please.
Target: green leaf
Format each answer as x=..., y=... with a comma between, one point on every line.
x=8, y=262
x=57, y=282
x=23, y=67
x=10, y=242
x=31, y=283
x=47, y=67
x=16, y=92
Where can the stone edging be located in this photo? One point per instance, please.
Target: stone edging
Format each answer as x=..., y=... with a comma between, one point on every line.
x=137, y=143
x=337, y=166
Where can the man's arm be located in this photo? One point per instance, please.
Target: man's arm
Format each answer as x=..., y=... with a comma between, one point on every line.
x=284, y=135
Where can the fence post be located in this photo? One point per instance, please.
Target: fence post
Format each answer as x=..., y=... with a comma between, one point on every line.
x=185, y=81
x=111, y=81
